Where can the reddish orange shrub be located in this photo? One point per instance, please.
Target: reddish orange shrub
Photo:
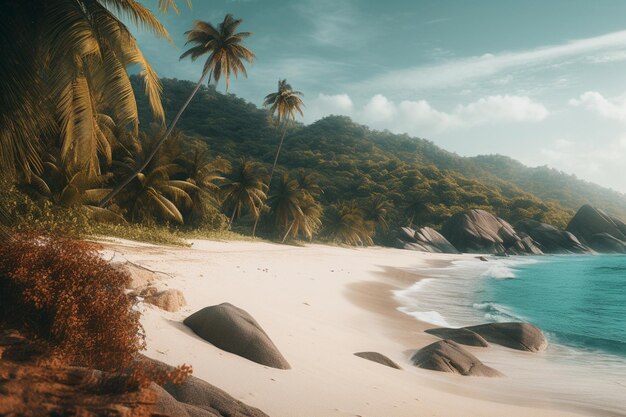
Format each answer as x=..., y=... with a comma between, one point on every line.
x=63, y=292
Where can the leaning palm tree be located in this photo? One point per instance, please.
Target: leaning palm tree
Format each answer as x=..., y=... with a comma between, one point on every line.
x=283, y=106
x=345, y=223
x=245, y=188
x=69, y=69
x=226, y=55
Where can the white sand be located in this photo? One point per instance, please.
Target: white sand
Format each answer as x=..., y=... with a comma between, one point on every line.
x=319, y=304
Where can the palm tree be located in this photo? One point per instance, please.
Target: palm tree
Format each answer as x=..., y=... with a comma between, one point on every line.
x=345, y=223
x=294, y=209
x=66, y=76
x=245, y=188
x=153, y=194
x=283, y=105
x=377, y=210
x=226, y=55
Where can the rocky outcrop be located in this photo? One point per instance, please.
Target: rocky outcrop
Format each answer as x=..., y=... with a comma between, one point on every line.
x=378, y=358
x=449, y=356
x=461, y=336
x=551, y=239
x=520, y=336
x=477, y=231
x=234, y=330
x=425, y=239
x=598, y=230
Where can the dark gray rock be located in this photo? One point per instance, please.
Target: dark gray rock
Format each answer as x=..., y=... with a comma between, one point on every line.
x=425, y=239
x=378, y=358
x=461, y=336
x=477, y=231
x=234, y=330
x=598, y=230
x=449, y=356
x=551, y=239
x=520, y=336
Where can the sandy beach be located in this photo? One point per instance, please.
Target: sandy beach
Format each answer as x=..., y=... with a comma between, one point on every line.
x=320, y=305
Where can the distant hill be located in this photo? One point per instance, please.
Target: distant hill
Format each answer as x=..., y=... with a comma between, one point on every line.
x=425, y=183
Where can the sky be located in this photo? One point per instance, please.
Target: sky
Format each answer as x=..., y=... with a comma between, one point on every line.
x=543, y=82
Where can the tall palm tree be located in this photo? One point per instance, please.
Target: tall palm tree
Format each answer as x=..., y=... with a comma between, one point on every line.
x=65, y=71
x=226, y=55
x=245, y=189
x=283, y=106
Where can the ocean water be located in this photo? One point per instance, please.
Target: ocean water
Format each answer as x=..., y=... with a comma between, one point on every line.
x=578, y=301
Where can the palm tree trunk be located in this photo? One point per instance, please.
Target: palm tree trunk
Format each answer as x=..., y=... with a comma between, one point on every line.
x=232, y=217
x=169, y=130
x=269, y=184
x=288, y=230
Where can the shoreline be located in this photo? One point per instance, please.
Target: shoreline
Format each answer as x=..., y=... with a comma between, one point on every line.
x=319, y=308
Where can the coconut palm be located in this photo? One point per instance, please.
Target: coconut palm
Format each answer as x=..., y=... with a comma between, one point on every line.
x=227, y=54
x=345, y=223
x=283, y=106
x=245, y=189
x=294, y=209
x=65, y=72
x=377, y=210
x=153, y=194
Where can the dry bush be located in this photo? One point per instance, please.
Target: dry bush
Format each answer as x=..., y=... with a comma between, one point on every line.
x=72, y=300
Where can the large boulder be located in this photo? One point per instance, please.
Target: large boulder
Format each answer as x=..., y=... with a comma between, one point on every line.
x=140, y=277
x=520, y=336
x=449, y=356
x=551, y=239
x=425, y=239
x=195, y=397
x=378, y=358
x=461, y=336
x=234, y=330
x=600, y=231
x=478, y=231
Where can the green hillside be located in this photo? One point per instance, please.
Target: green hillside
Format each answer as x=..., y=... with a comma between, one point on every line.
x=424, y=183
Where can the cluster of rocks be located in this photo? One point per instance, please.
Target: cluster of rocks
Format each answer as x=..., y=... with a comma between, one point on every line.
x=448, y=355
x=478, y=231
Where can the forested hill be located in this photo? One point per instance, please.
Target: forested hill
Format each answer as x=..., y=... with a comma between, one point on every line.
x=425, y=183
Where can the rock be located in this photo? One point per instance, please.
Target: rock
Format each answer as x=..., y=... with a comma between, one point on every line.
x=461, y=336
x=551, y=239
x=477, y=231
x=425, y=239
x=520, y=336
x=598, y=230
x=449, y=356
x=140, y=277
x=170, y=300
x=482, y=258
x=234, y=330
x=525, y=246
x=198, y=398
x=378, y=358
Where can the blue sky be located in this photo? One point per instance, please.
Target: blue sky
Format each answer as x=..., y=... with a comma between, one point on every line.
x=541, y=81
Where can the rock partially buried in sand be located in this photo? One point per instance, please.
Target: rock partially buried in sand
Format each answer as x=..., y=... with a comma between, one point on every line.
x=169, y=300
x=449, y=356
x=196, y=398
x=461, y=336
x=520, y=336
x=234, y=330
x=140, y=277
x=378, y=358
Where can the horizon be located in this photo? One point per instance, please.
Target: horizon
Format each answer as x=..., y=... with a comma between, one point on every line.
x=554, y=90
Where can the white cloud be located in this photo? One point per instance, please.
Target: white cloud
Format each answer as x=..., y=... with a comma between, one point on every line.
x=333, y=22
x=421, y=118
x=324, y=105
x=463, y=70
x=596, y=103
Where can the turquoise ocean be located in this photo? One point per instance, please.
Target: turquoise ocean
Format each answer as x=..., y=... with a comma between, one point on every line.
x=578, y=301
